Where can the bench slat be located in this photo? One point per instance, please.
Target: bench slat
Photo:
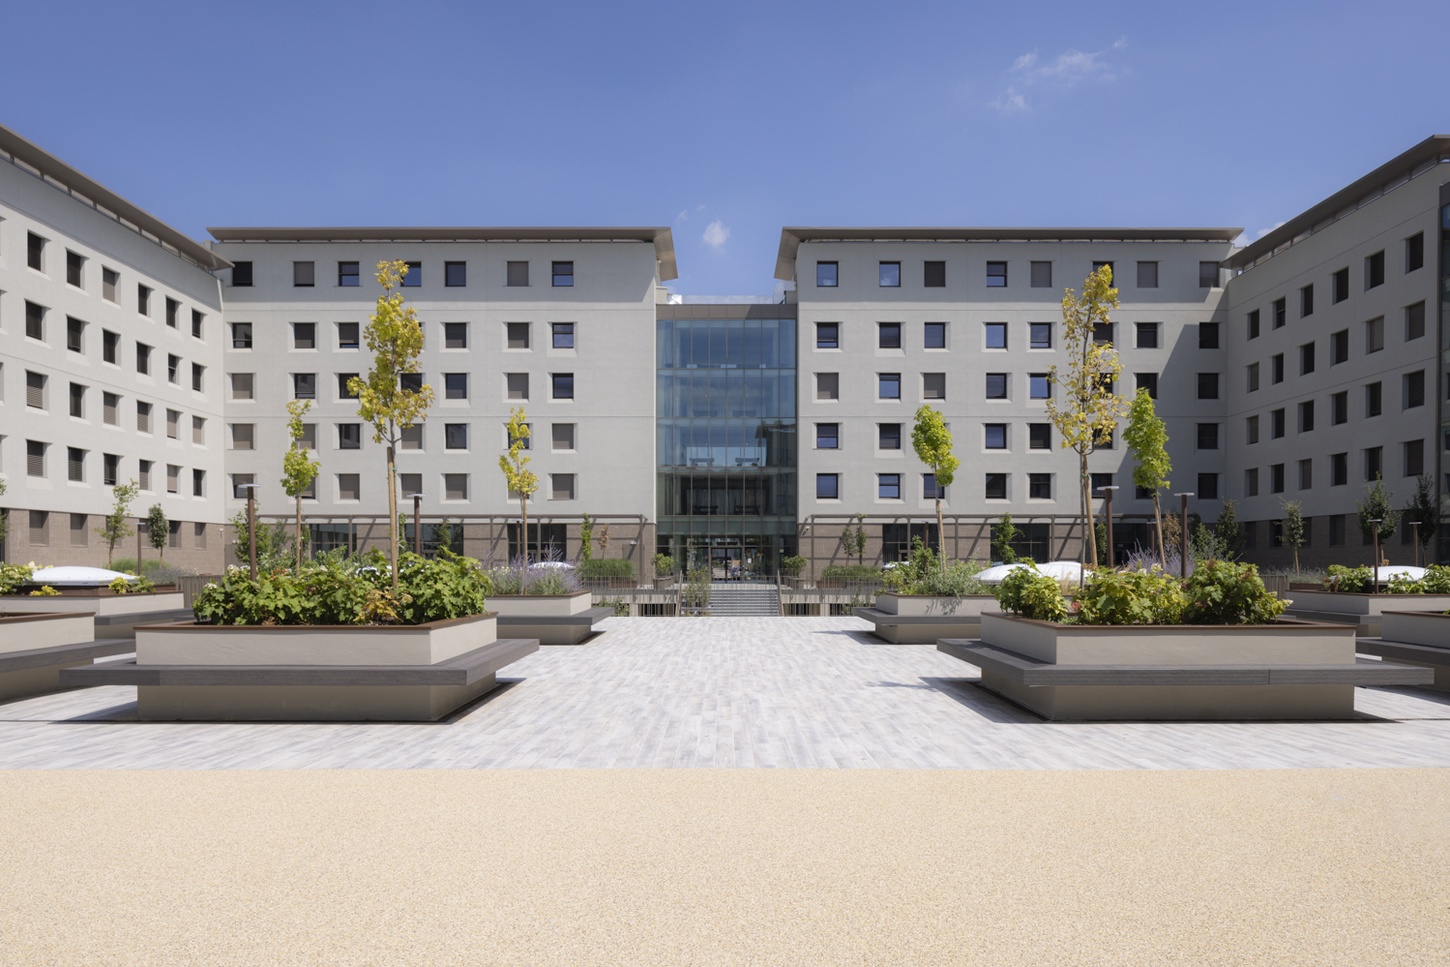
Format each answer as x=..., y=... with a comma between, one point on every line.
x=40, y=657
x=1430, y=654
x=582, y=618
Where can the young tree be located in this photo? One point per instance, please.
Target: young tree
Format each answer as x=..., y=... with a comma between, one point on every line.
x=395, y=339
x=1377, y=505
x=1294, y=528
x=932, y=442
x=586, y=538
x=1228, y=536
x=115, y=529
x=1423, y=509
x=446, y=536
x=1003, y=534
x=515, y=467
x=1147, y=439
x=158, y=532
x=1090, y=410
x=299, y=470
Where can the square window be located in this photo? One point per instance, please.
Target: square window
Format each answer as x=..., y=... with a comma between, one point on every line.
x=1147, y=275
x=304, y=335
x=562, y=334
x=1414, y=458
x=1251, y=482
x=35, y=252
x=1374, y=463
x=563, y=275
x=455, y=335
x=348, y=336
x=1039, y=386
x=561, y=486
x=995, y=335
x=935, y=335
x=516, y=386
x=1276, y=368
x=929, y=488
x=1039, y=436
x=516, y=335
x=77, y=400
x=1112, y=276
x=143, y=359
x=994, y=486
x=413, y=278
x=1339, y=347
x=994, y=436
x=110, y=470
x=888, y=335
x=888, y=386
x=1338, y=469
x=828, y=436
x=1415, y=252
x=347, y=275
x=562, y=436
x=304, y=274
x=1306, y=359
x=828, y=335
x=828, y=386
x=349, y=436
x=1208, y=386
x=455, y=274
x=1414, y=321
x=1276, y=423
x=455, y=436
x=828, y=486
x=242, y=274
x=411, y=438
x=1374, y=335
x=1147, y=381
x=934, y=275
x=1251, y=430
x=35, y=321
x=1413, y=389
x=75, y=335
x=242, y=386
x=349, y=486
x=1306, y=416
x=304, y=386
x=1208, y=436
x=1097, y=482
x=1306, y=474
x=827, y=275
x=241, y=335
x=888, y=436
x=1039, y=486
x=517, y=274
x=1103, y=333
x=1039, y=335
x=1339, y=408
x=197, y=319
x=888, y=486
x=410, y=382
x=890, y=275
x=526, y=438
x=74, y=266
x=1253, y=320
x=1208, y=486
x=455, y=386
x=1374, y=270
x=198, y=375
x=1207, y=275
x=1208, y=335
x=562, y=386
x=1146, y=334
x=110, y=280
x=996, y=275
x=1306, y=300
x=1281, y=314
x=1339, y=285
x=933, y=386
x=1276, y=478
x=996, y=386
x=1041, y=275
x=243, y=436
x=1373, y=400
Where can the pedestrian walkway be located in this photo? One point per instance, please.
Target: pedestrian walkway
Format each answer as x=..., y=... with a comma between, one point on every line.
x=726, y=692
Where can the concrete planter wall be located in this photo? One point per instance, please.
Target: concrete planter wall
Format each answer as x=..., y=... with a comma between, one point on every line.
x=921, y=619
x=1344, y=602
x=1428, y=628
x=29, y=632
x=1183, y=649
x=922, y=605
x=540, y=605
x=100, y=602
x=554, y=619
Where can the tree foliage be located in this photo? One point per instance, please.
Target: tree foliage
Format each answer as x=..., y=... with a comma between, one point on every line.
x=1004, y=532
x=1377, y=504
x=515, y=467
x=395, y=339
x=1423, y=509
x=299, y=469
x=1294, y=528
x=1228, y=534
x=1147, y=440
x=115, y=529
x=932, y=442
x=158, y=531
x=1090, y=410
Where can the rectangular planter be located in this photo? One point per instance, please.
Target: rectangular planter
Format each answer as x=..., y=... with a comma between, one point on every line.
x=921, y=619
x=553, y=619
x=32, y=632
x=1430, y=629
x=543, y=605
x=927, y=605
x=1190, y=650
x=101, y=603
x=1366, y=611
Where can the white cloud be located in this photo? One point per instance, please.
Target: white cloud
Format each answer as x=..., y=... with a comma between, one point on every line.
x=1067, y=69
x=683, y=216
x=1025, y=61
x=1010, y=101
x=716, y=234
x=1264, y=231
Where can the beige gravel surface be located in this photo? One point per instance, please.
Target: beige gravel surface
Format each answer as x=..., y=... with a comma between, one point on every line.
x=686, y=866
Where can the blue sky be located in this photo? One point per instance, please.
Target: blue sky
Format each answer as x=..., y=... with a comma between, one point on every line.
x=730, y=121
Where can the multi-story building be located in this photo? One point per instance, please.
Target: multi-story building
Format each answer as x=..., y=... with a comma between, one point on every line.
x=1297, y=367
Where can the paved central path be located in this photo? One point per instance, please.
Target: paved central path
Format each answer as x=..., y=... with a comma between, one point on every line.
x=725, y=692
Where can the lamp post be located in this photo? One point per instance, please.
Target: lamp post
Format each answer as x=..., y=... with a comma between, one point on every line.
x=1415, y=536
x=1375, y=564
x=1183, y=534
x=251, y=490
x=417, y=524
x=1108, y=496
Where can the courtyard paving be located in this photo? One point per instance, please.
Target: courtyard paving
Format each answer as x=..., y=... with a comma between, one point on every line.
x=720, y=693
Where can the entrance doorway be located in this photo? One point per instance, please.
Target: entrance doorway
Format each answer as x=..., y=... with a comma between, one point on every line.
x=727, y=562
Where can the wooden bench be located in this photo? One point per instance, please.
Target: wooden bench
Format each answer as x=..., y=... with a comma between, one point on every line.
x=919, y=629
x=565, y=629
x=37, y=670
x=308, y=692
x=1229, y=691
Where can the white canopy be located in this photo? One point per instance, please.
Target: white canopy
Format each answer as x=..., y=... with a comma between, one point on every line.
x=73, y=576
x=1388, y=571
x=1058, y=570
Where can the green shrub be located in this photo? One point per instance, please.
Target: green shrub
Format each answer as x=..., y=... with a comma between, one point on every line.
x=664, y=565
x=1354, y=580
x=1436, y=579
x=1227, y=593
x=1111, y=597
x=157, y=571
x=45, y=592
x=793, y=565
x=14, y=576
x=139, y=586
x=922, y=574
x=1032, y=594
x=850, y=572
x=606, y=567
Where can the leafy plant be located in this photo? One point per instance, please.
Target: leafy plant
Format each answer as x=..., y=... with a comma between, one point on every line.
x=45, y=592
x=1032, y=594
x=932, y=442
x=1229, y=593
x=793, y=565
x=158, y=529
x=1004, y=533
x=447, y=537
x=115, y=529
x=853, y=538
x=586, y=538
x=850, y=572
x=664, y=565
x=14, y=576
x=1149, y=597
x=524, y=577
x=1147, y=439
x=515, y=467
x=1294, y=527
x=139, y=586
x=1353, y=580
x=299, y=469
x=1376, y=506
x=606, y=567
x=1228, y=536
x=274, y=546
x=1423, y=510
x=697, y=590
x=1436, y=579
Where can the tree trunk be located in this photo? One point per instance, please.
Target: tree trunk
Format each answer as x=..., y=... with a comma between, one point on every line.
x=299, y=533
x=940, y=537
x=393, y=515
x=1158, y=520
x=1090, y=556
x=524, y=510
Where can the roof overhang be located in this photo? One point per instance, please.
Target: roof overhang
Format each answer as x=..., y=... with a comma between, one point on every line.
x=790, y=238
x=65, y=178
x=662, y=239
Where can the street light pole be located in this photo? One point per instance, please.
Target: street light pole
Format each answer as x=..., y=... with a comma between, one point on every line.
x=1183, y=535
x=1112, y=557
x=1375, y=565
x=417, y=525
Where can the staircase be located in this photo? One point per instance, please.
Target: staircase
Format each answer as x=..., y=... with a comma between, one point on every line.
x=737, y=599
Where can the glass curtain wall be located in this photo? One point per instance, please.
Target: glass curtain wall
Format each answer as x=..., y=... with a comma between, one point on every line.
x=727, y=444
